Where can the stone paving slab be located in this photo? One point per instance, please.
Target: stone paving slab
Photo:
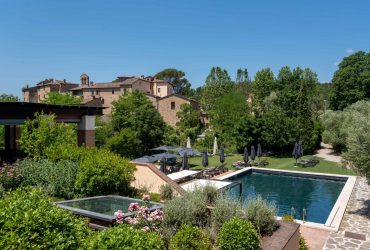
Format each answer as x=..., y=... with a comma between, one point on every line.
x=355, y=225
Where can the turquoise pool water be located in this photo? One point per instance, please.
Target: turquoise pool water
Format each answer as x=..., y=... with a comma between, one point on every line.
x=317, y=196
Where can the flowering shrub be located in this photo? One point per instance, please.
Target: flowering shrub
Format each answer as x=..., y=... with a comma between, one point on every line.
x=10, y=177
x=143, y=218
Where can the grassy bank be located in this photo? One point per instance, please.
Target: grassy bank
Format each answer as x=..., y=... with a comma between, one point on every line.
x=276, y=163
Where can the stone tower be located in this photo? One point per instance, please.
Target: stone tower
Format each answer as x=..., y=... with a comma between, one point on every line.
x=85, y=80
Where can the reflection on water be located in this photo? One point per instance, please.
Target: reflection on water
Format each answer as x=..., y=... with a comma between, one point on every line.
x=103, y=205
x=317, y=196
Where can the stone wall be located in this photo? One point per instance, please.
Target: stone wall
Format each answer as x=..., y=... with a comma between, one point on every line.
x=168, y=107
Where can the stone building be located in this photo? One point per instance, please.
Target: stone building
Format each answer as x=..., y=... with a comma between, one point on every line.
x=158, y=91
x=39, y=92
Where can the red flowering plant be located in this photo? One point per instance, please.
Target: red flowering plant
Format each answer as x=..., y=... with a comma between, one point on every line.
x=10, y=177
x=142, y=217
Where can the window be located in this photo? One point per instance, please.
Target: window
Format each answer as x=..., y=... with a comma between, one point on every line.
x=113, y=92
x=159, y=90
x=92, y=92
x=173, y=105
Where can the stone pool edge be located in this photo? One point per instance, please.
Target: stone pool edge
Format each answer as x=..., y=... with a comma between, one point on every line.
x=336, y=214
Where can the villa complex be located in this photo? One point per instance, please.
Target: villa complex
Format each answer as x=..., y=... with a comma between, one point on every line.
x=159, y=92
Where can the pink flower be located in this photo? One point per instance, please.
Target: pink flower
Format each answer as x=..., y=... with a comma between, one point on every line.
x=135, y=221
x=145, y=229
x=128, y=220
x=9, y=174
x=119, y=216
x=146, y=197
x=133, y=206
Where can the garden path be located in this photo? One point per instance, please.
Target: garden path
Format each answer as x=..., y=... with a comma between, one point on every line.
x=326, y=152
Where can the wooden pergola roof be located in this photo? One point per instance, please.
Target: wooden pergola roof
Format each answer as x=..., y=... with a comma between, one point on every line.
x=15, y=113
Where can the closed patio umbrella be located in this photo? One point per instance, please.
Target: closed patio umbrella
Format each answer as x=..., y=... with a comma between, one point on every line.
x=300, y=149
x=246, y=156
x=295, y=152
x=163, y=165
x=259, y=150
x=215, y=146
x=188, y=145
x=205, y=159
x=185, y=163
x=222, y=154
x=253, y=153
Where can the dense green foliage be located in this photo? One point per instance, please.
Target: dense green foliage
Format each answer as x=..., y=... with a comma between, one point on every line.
x=124, y=237
x=348, y=130
x=189, y=122
x=43, y=134
x=144, y=125
x=59, y=98
x=238, y=234
x=103, y=172
x=57, y=179
x=9, y=98
x=190, y=238
x=351, y=82
x=29, y=220
x=176, y=77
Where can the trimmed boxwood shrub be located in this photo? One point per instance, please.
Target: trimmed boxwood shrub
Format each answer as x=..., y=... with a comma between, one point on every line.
x=29, y=220
x=238, y=234
x=124, y=237
x=190, y=238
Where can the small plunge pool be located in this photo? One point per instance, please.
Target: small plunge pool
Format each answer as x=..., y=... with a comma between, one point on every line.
x=100, y=209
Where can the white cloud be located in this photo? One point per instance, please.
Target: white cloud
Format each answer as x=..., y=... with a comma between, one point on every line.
x=349, y=50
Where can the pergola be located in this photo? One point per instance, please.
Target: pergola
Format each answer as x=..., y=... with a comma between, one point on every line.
x=13, y=114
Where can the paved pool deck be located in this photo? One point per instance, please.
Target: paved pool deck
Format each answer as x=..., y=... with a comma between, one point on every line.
x=354, y=230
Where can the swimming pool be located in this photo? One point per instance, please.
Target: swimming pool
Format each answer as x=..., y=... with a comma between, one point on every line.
x=291, y=192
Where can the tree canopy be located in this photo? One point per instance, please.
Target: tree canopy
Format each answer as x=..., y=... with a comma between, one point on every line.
x=351, y=82
x=62, y=98
x=177, y=77
x=144, y=125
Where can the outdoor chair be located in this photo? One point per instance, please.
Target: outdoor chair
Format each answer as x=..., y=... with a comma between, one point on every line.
x=210, y=172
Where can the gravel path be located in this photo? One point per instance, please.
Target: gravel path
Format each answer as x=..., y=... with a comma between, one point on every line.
x=326, y=152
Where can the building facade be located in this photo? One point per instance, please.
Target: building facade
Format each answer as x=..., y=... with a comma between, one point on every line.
x=39, y=92
x=158, y=91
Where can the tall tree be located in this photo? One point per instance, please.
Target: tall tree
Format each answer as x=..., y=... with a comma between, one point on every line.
x=262, y=86
x=229, y=110
x=218, y=82
x=177, y=77
x=351, y=82
x=243, y=81
x=134, y=111
x=189, y=123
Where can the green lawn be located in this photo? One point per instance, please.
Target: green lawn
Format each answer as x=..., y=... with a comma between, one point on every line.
x=276, y=163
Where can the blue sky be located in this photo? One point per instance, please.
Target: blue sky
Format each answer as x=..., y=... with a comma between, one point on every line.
x=62, y=39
